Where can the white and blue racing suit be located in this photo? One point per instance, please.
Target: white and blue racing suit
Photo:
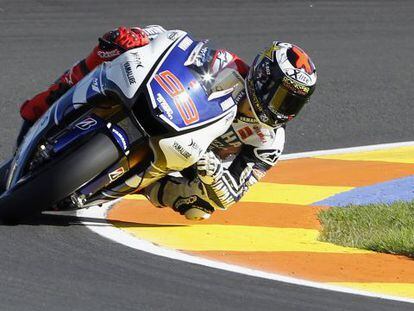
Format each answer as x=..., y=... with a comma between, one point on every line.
x=246, y=151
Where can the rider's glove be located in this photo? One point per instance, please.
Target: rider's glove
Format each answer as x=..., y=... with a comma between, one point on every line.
x=209, y=168
x=116, y=42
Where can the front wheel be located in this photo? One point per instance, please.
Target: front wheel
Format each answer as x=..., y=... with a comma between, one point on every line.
x=59, y=179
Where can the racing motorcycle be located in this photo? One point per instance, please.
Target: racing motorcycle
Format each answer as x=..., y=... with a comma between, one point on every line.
x=125, y=125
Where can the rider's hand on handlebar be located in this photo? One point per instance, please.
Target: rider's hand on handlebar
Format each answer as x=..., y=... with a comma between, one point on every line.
x=114, y=43
x=117, y=41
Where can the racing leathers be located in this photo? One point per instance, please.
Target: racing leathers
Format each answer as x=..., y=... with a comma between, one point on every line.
x=234, y=161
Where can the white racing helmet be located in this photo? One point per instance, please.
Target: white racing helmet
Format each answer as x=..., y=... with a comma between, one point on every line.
x=280, y=82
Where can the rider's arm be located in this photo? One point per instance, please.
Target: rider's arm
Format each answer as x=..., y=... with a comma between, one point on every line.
x=213, y=61
x=224, y=59
x=216, y=187
x=227, y=186
x=111, y=44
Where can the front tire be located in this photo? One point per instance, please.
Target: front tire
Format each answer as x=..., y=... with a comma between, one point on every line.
x=59, y=179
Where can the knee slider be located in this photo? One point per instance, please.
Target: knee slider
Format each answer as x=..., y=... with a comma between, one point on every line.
x=193, y=208
x=196, y=214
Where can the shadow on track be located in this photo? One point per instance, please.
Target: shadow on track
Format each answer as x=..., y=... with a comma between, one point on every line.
x=64, y=220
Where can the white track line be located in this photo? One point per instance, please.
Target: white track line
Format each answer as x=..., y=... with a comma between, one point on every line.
x=346, y=150
x=119, y=236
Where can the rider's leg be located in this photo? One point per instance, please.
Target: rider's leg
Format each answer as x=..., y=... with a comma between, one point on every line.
x=183, y=196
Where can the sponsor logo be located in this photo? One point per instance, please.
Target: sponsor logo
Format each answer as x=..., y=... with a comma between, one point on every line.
x=263, y=117
x=295, y=86
x=108, y=54
x=270, y=53
x=268, y=156
x=299, y=76
x=253, y=98
x=153, y=30
x=221, y=60
x=121, y=138
x=230, y=139
x=116, y=174
x=240, y=96
x=173, y=35
x=129, y=73
x=164, y=105
x=86, y=124
x=259, y=133
x=185, y=43
x=230, y=117
x=267, y=69
x=195, y=146
x=181, y=150
x=137, y=61
x=201, y=58
x=245, y=132
x=227, y=104
x=185, y=201
x=246, y=119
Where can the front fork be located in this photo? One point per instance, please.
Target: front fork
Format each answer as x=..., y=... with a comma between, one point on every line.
x=5, y=165
x=4, y=169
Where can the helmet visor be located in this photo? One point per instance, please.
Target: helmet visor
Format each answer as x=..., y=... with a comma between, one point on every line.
x=285, y=104
x=273, y=103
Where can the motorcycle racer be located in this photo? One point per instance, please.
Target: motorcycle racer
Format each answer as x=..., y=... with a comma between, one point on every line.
x=269, y=93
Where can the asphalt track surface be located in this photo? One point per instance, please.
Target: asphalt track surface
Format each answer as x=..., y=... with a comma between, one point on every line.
x=363, y=52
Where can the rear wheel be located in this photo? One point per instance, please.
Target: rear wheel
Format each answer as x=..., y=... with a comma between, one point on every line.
x=59, y=179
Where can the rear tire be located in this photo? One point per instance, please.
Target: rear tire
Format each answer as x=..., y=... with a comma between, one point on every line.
x=58, y=180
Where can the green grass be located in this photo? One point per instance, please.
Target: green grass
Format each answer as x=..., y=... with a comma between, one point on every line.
x=386, y=228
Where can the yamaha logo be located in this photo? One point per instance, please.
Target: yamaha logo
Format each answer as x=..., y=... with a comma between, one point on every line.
x=129, y=73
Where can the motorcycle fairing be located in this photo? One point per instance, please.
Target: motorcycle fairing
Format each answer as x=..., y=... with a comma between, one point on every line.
x=131, y=74
x=131, y=69
x=77, y=131
x=177, y=92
